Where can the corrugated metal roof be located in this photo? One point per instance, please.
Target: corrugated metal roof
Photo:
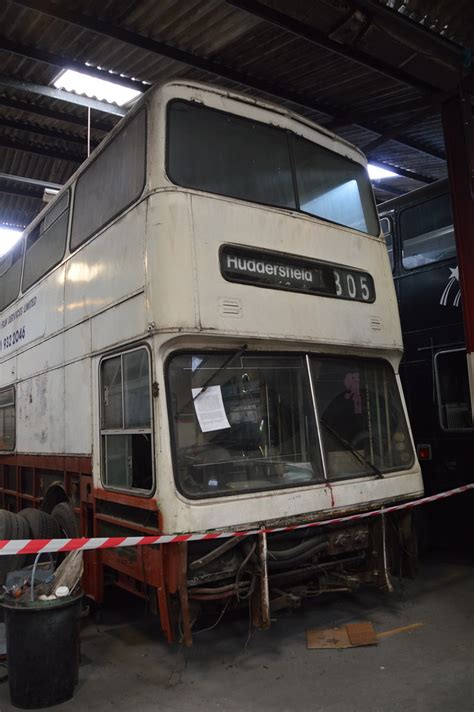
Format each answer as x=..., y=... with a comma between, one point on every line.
x=359, y=102
x=452, y=20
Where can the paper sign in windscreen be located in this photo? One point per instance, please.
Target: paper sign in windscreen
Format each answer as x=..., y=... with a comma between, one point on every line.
x=209, y=408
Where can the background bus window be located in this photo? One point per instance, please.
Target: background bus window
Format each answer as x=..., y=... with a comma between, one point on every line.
x=427, y=232
x=7, y=419
x=386, y=225
x=453, y=390
x=10, y=274
x=126, y=421
x=45, y=245
x=112, y=182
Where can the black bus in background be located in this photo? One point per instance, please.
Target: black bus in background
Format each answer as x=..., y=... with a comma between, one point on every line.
x=418, y=229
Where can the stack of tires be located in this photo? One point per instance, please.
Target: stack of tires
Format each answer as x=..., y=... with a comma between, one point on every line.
x=33, y=523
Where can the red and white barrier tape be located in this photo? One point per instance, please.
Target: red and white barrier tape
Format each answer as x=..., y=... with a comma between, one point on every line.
x=34, y=546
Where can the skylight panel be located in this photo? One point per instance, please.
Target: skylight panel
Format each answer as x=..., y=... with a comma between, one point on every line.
x=377, y=173
x=8, y=237
x=94, y=88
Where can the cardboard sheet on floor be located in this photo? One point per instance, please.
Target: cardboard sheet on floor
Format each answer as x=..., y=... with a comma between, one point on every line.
x=349, y=636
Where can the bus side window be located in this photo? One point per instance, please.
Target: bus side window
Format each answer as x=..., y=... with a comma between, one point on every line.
x=10, y=274
x=112, y=182
x=386, y=225
x=453, y=390
x=427, y=232
x=7, y=419
x=45, y=245
x=126, y=422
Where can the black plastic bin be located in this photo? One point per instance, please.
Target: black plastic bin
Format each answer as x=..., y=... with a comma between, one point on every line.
x=43, y=640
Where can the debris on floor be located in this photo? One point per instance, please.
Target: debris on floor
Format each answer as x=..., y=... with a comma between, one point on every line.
x=401, y=629
x=352, y=635
x=349, y=636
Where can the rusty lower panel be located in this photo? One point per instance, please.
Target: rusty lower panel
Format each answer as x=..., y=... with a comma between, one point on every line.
x=264, y=622
x=183, y=593
x=26, y=479
x=182, y=581
x=268, y=572
x=140, y=570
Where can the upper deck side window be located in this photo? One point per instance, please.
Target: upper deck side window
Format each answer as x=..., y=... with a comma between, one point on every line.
x=10, y=274
x=427, y=232
x=46, y=244
x=231, y=155
x=112, y=182
x=387, y=230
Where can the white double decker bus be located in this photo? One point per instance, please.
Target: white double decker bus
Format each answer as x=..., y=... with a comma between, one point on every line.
x=201, y=333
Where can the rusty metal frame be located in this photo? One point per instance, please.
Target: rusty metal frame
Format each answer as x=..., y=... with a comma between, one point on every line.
x=145, y=573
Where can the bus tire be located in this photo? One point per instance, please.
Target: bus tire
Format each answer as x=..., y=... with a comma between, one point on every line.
x=11, y=528
x=64, y=515
x=40, y=524
x=54, y=495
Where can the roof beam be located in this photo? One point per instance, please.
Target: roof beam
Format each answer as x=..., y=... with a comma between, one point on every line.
x=33, y=193
x=405, y=24
x=30, y=181
x=316, y=37
x=344, y=119
x=61, y=95
x=210, y=66
x=41, y=150
x=44, y=131
x=370, y=148
x=395, y=134
x=385, y=189
x=56, y=60
x=47, y=113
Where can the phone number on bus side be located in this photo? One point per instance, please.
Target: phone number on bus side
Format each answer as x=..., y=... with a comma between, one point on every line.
x=12, y=339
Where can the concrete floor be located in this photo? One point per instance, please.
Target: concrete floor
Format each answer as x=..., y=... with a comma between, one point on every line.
x=127, y=666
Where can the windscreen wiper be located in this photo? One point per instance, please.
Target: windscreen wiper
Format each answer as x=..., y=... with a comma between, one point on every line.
x=226, y=363
x=355, y=452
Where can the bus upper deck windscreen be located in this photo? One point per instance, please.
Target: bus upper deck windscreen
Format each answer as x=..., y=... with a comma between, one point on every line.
x=223, y=153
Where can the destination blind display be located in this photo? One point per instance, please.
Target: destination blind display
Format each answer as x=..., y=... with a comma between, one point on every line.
x=295, y=274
